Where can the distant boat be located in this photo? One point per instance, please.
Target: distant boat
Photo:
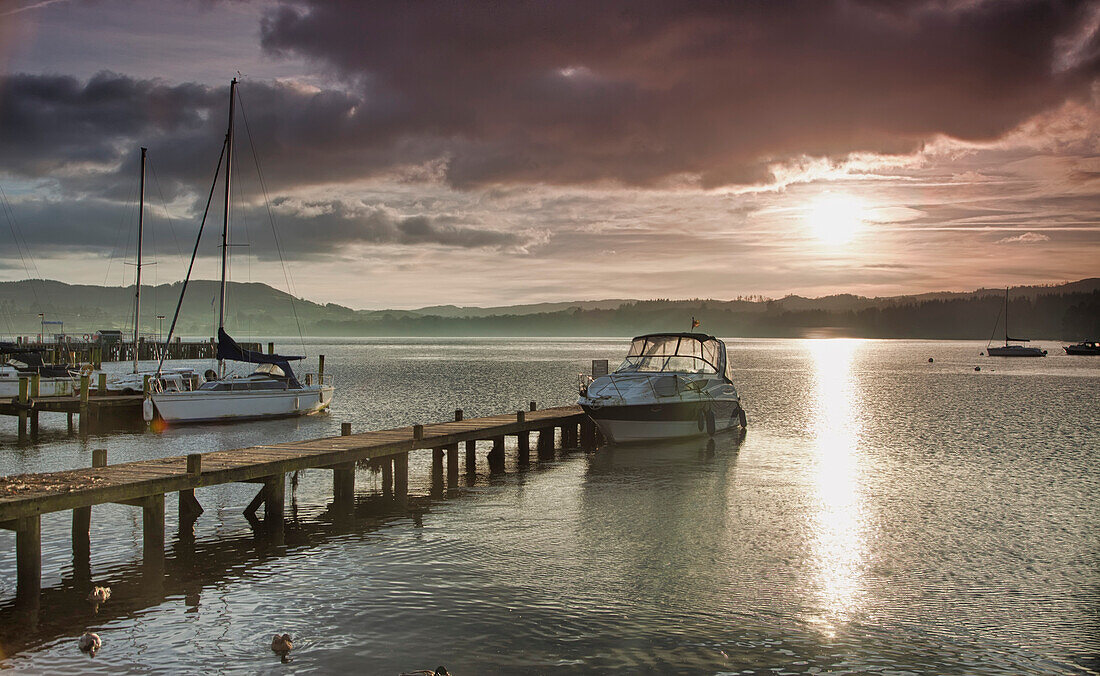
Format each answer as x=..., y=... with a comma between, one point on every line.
x=1088, y=347
x=1009, y=350
x=272, y=390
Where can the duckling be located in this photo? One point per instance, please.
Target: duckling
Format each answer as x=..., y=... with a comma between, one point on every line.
x=281, y=645
x=90, y=643
x=439, y=671
x=99, y=594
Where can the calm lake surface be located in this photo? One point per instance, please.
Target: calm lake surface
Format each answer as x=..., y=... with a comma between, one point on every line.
x=882, y=514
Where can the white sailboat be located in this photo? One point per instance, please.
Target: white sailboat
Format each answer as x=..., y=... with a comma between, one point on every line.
x=1010, y=350
x=271, y=390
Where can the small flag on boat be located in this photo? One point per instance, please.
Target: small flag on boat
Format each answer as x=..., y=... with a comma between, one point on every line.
x=694, y=322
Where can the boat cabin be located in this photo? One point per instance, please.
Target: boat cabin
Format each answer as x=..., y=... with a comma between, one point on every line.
x=677, y=353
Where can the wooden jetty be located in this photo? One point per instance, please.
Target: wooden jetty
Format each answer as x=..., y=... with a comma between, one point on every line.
x=24, y=498
x=93, y=407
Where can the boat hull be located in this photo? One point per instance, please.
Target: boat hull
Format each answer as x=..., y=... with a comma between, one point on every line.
x=1015, y=351
x=212, y=406
x=47, y=387
x=1078, y=350
x=655, y=421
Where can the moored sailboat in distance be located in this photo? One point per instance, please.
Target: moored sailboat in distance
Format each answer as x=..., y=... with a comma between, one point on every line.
x=271, y=390
x=1009, y=350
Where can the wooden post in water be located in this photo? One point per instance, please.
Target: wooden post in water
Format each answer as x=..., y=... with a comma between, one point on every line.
x=452, y=467
x=101, y=389
x=401, y=478
x=271, y=348
x=321, y=369
x=523, y=441
x=83, y=403
x=387, y=476
x=533, y=407
x=24, y=392
x=471, y=460
x=28, y=559
x=189, y=507
x=36, y=384
x=437, y=472
x=496, y=456
x=152, y=529
x=82, y=524
x=343, y=479
x=274, y=499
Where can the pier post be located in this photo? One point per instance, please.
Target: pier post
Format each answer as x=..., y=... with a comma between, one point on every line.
x=152, y=529
x=28, y=559
x=82, y=525
x=546, y=443
x=101, y=389
x=83, y=404
x=401, y=478
x=437, y=472
x=471, y=459
x=523, y=440
x=274, y=498
x=533, y=407
x=452, y=467
x=271, y=348
x=387, y=476
x=588, y=435
x=496, y=456
x=24, y=391
x=97, y=357
x=69, y=422
x=459, y=415
x=189, y=507
x=36, y=385
x=321, y=369
x=343, y=477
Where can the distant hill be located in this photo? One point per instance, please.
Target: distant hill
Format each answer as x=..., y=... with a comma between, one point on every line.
x=1067, y=311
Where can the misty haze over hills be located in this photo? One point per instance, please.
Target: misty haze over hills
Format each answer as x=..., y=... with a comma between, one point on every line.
x=1065, y=311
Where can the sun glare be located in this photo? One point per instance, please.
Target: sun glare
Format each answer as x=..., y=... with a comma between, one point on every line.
x=835, y=218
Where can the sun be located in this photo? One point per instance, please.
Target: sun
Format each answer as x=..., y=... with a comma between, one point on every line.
x=835, y=218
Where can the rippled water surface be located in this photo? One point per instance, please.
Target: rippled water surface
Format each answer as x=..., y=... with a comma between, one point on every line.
x=882, y=514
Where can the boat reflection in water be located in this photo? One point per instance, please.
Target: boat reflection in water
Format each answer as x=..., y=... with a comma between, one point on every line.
x=838, y=525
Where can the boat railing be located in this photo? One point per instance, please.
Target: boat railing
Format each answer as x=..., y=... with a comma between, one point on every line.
x=318, y=380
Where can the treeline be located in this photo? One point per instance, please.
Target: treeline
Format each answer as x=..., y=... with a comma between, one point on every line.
x=1053, y=316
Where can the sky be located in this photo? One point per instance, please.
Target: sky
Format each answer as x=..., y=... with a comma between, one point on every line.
x=398, y=155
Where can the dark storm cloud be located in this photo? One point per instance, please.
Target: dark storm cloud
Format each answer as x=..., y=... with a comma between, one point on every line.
x=304, y=229
x=579, y=91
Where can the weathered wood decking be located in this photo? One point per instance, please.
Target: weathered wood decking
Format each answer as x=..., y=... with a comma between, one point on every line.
x=24, y=498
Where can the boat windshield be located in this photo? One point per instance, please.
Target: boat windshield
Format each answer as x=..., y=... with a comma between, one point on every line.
x=679, y=353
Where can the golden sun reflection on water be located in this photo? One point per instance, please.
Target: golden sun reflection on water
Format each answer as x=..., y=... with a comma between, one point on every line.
x=838, y=551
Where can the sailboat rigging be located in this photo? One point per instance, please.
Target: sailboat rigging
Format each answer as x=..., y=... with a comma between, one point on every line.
x=1009, y=350
x=272, y=389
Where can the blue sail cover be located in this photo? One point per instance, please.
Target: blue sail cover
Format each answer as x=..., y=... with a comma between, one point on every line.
x=229, y=349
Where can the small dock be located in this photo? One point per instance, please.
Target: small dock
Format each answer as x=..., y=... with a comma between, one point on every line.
x=24, y=498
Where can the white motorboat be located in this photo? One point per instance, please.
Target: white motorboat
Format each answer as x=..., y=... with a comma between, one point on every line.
x=671, y=385
x=272, y=390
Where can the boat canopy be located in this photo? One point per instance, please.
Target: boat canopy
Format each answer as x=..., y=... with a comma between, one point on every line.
x=678, y=352
x=229, y=349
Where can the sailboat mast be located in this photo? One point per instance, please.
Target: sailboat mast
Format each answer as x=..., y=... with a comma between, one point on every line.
x=225, y=218
x=1006, y=316
x=137, y=285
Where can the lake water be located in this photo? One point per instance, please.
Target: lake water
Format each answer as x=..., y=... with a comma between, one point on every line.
x=881, y=514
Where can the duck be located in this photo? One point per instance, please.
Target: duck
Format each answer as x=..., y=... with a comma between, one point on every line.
x=90, y=642
x=281, y=645
x=99, y=594
x=439, y=671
